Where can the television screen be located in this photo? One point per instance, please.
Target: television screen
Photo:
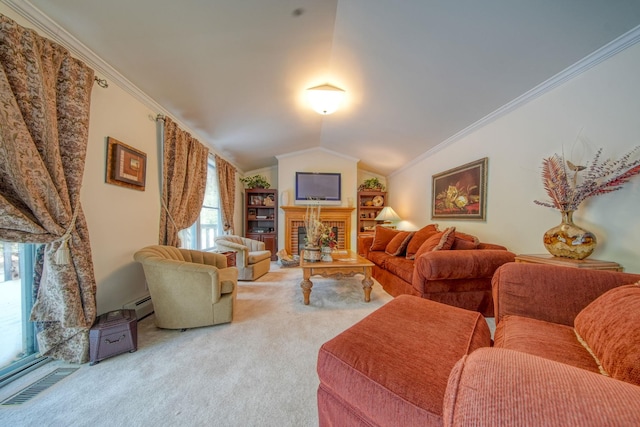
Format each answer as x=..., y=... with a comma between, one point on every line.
x=320, y=186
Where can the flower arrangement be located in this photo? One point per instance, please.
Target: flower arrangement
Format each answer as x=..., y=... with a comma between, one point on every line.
x=318, y=234
x=568, y=185
x=328, y=237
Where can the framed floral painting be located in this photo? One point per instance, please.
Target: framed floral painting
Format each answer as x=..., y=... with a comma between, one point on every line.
x=461, y=192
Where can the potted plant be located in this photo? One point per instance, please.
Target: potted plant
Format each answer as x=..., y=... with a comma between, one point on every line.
x=255, y=181
x=371, y=184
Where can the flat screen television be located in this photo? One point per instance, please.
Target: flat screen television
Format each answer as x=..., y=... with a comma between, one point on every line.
x=323, y=187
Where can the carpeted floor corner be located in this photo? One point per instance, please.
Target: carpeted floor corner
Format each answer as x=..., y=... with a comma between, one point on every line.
x=258, y=370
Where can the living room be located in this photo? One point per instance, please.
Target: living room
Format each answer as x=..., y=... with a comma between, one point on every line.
x=594, y=101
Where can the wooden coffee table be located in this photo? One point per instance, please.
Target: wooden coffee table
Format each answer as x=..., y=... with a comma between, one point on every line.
x=344, y=264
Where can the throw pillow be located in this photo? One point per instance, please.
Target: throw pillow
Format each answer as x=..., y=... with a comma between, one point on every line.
x=608, y=328
x=463, y=244
x=382, y=237
x=398, y=245
x=418, y=239
x=442, y=241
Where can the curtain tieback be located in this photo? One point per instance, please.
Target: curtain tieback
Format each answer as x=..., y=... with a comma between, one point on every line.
x=62, y=253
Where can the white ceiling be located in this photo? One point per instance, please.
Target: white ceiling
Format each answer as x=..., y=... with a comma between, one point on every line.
x=416, y=72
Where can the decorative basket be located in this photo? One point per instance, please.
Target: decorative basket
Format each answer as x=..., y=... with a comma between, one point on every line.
x=287, y=260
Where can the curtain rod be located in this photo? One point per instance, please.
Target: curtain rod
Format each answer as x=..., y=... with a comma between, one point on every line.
x=101, y=82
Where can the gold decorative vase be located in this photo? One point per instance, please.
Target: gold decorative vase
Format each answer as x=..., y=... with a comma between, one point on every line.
x=568, y=240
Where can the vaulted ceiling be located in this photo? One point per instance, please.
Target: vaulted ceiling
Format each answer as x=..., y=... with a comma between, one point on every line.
x=416, y=72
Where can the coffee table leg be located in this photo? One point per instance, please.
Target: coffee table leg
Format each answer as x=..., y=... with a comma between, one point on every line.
x=367, y=283
x=306, y=286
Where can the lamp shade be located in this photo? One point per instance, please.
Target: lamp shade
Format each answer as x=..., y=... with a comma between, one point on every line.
x=387, y=214
x=325, y=99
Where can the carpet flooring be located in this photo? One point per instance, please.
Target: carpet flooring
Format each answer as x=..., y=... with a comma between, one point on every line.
x=258, y=370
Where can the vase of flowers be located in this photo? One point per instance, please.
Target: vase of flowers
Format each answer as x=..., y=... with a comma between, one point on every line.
x=328, y=242
x=568, y=185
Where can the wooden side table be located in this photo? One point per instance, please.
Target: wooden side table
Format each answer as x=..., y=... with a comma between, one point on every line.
x=231, y=258
x=590, y=264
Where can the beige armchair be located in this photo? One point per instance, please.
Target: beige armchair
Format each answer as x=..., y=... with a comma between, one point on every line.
x=188, y=288
x=252, y=259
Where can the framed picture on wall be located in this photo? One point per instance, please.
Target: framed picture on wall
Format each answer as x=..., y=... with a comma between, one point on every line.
x=461, y=192
x=126, y=166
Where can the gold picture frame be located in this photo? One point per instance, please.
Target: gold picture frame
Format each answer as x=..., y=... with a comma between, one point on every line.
x=461, y=192
x=126, y=166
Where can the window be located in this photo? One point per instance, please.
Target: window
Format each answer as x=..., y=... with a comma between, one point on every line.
x=202, y=234
x=18, y=346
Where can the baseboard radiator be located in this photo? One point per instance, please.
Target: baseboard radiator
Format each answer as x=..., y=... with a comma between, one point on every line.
x=143, y=306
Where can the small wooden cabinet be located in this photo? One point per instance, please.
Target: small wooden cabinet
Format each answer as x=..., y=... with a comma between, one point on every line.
x=370, y=203
x=261, y=218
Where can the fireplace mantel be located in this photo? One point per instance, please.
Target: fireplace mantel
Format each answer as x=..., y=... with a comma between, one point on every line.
x=335, y=216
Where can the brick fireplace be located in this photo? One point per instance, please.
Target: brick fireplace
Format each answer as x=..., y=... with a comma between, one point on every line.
x=332, y=216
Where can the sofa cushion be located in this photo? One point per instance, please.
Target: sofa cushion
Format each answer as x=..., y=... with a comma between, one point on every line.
x=418, y=239
x=379, y=258
x=545, y=339
x=609, y=328
x=382, y=237
x=441, y=241
x=398, y=245
x=401, y=267
x=391, y=374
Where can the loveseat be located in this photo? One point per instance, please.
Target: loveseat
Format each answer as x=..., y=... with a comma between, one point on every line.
x=559, y=331
x=447, y=266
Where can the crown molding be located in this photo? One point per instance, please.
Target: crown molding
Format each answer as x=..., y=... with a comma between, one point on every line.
x=609, y=50
x=315, y=149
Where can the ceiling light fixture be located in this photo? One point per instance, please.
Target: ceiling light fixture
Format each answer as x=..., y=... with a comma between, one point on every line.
x=325, y=99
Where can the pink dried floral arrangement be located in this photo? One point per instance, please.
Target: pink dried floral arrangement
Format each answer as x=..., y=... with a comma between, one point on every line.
x=567, y=189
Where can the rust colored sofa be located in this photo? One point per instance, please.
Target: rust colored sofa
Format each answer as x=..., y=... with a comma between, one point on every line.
x=418, y=362
x=447, y=266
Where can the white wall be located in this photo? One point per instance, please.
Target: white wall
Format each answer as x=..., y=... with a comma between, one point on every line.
x=317, y=160
x=121, y=220
x=603, y=106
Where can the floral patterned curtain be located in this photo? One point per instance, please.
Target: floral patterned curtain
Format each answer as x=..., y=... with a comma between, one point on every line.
x=44, y=122
x=227, y=185
x=184, y=179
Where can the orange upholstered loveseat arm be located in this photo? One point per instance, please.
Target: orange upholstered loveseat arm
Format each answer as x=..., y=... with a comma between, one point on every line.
x=500, y=387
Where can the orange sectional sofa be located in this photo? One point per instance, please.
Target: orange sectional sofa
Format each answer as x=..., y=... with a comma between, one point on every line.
x=447, y=266
x=566, y=353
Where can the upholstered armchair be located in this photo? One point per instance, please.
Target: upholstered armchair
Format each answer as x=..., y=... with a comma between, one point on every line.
x=188, y=288
x=252, y=259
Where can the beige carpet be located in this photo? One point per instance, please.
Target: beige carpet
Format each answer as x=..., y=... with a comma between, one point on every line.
x=257, y=371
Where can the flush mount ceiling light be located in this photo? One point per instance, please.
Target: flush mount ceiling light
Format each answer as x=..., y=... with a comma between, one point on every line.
x=325, y=99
